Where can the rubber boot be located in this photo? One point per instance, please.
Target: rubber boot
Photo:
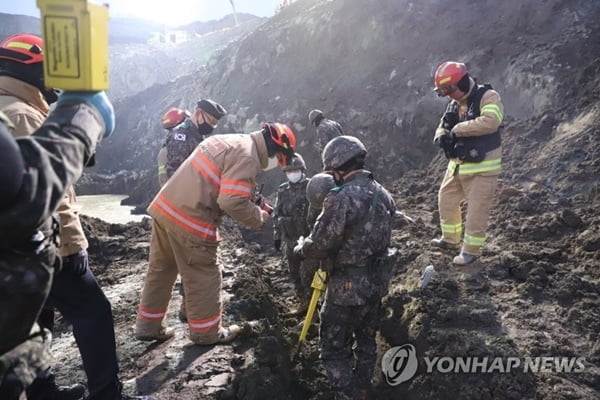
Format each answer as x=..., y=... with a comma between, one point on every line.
x=46, y=389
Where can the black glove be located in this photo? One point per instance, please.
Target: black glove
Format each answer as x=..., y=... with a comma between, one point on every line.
x=450, y=118
x=447, y=140
x=277, y=244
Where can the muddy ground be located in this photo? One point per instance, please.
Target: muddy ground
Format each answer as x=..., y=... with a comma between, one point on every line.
x=534, y=292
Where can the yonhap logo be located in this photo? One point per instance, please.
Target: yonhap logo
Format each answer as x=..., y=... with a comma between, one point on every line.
x=399, y=364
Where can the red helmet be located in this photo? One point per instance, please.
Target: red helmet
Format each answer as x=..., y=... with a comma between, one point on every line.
x=283, y=137
x=23, y=48
x=448, y=74
x=173, y=117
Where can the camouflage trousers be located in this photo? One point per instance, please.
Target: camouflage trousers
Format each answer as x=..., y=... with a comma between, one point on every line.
x=301, y=270
x=348, y=347
x=21, y=365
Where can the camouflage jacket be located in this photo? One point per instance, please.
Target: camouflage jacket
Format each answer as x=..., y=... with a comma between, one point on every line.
x=27, y=109
x=312, y=214
x=354, y=229
x=54, y=158
x=181, y=142
x=327, y=130
x=23, y=364
x=289, y=214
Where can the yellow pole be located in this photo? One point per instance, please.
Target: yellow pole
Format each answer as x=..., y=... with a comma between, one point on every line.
x=318, y=284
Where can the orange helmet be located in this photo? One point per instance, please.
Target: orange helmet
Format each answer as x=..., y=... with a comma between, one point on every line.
x=173, y=117
x=23, y=48
x=284, y=138
x=448, y=74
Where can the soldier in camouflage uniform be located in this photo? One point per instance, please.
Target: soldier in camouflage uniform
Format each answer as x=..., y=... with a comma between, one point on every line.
x=172, y=117
x=185, y=137
x=36, y=173
x=355, y=229
x=327, y=129
x=316, y=190
x=289, y=223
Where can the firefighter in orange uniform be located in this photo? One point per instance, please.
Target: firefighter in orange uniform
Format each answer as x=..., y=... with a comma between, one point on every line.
x=218, y=177
x=470, y=137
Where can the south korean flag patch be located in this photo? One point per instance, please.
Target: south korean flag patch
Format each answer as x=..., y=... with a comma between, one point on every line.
x=179, y=136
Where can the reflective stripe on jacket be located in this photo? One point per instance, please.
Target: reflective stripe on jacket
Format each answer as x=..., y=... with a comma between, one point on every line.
x=489, y=121
x=218, y=177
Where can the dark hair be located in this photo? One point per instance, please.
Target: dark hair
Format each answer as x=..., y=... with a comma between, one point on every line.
x=464, y=83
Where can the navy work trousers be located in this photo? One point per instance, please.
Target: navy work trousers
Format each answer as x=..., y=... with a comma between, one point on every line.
x=77, y=296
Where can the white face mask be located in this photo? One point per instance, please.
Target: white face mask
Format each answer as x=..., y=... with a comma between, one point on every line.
x=272, y=163
x=294, y=176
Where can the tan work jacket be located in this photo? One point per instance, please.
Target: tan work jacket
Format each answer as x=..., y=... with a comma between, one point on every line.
x=489, y=121
x=218, y=177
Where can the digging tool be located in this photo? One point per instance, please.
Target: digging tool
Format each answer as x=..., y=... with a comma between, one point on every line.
x=318, y=284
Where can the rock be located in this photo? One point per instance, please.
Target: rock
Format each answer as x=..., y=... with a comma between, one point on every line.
x=570, y=218
x=508, y=193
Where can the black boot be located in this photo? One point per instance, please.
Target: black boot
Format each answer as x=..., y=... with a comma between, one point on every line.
x=113, y=392
x=46, y=389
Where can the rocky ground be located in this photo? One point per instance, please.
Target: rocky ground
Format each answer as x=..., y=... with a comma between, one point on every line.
x=535, y=292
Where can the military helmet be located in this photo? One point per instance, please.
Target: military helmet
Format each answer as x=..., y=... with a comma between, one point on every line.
x=317, y=188
x=339, y=150
x=315, y=116
x=297, y=162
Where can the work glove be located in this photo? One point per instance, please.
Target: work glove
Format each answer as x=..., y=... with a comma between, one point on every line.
x=277, y=244
x=298, y=247
x=446, y=140
x=98, y=100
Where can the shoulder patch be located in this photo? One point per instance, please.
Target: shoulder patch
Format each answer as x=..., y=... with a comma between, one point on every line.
x=336, y=189
x=283, y=185
x=179, y=136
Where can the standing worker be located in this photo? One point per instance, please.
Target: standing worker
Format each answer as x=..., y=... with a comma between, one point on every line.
x=75, y=292
x=219, y=177
x=316, y=190
x=37, y=171
x=193, y=130
x=289, y=223
x=172, y=117
x=470, y=137
x=354, y=229
x=182, y=141
x=327, y=129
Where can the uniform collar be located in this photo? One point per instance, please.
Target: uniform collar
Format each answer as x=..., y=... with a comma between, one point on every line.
x=358, y=174
x=472, y=86
x=261, y=147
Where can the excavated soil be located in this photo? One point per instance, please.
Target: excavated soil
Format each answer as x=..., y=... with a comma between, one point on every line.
x=535, y=292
